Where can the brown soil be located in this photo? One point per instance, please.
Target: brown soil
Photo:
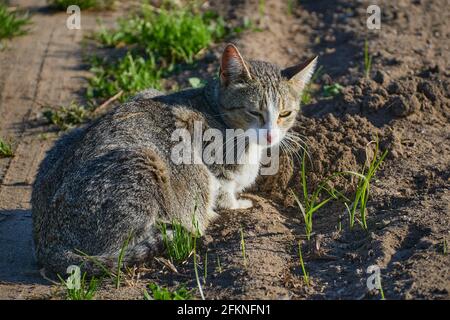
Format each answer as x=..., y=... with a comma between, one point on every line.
x=405, y=103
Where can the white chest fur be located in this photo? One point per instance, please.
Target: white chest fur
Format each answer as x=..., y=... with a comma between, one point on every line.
x=238, y=180
x=246, y=175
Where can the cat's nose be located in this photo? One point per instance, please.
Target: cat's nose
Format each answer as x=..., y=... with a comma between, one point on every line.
x=272, y=135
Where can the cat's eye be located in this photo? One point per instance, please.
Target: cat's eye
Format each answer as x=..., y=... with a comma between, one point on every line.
x=256, y=114
x=285, y=114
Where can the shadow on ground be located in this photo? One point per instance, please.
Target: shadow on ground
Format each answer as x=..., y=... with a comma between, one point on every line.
x=17, y=262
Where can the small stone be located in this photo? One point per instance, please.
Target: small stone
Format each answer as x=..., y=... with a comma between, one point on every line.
x=373, y=102
x=380, y=77
x=401, y=107
x=394, y=88
x=428, y=90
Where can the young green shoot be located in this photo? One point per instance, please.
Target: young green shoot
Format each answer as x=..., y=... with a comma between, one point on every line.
x=261, y=8
x=445, y=247
x=115, y=277
x=363, y=188
x=339, y=227
x=311, y=203
x=244, y=256
x=302, y=264
x=219, y=265
x=120, y=260
x=197, y=278
x=367, y=59
x=97, y=263
x=290, y=7
x=205, y=270
x=381, y=288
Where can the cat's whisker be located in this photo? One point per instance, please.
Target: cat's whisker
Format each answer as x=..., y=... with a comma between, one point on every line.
x=301, y=147
x=304, y=140
x=287, y=148
x=297, y=141
x=295, y=137
x=292, y=132
x=294, y=147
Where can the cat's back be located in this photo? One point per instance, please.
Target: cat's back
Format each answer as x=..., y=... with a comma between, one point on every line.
x=112, y=171
x=142, y=127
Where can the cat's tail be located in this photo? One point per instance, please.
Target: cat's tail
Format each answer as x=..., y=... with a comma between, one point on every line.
x=63, y=262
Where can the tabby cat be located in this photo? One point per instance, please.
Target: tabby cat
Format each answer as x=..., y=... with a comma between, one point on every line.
x=115, y=178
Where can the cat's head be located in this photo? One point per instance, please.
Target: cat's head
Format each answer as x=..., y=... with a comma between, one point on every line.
x=259, y=95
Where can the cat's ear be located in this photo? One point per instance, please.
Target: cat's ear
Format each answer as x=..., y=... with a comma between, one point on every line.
x=300, y=74
x=232, y=66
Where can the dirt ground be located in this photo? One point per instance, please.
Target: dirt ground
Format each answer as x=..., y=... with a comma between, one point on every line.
x=405, y=103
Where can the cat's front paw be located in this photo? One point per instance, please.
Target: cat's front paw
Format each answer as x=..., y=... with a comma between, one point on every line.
x=243, y=204
x=227, y=200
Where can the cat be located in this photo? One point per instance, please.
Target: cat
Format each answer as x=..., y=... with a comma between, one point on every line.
x=114, y=179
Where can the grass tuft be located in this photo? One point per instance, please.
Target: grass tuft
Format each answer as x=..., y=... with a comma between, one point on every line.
x=180, y=242
x=155, y=40
x=160, y=293
x=175, y=35
x=332, y=90
x=83, y=4
x=86, y=290
x=6, y=149
x=66, y=117
x=312, y=202
x=130, y=74
x=363, y=188
x=12, y=24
